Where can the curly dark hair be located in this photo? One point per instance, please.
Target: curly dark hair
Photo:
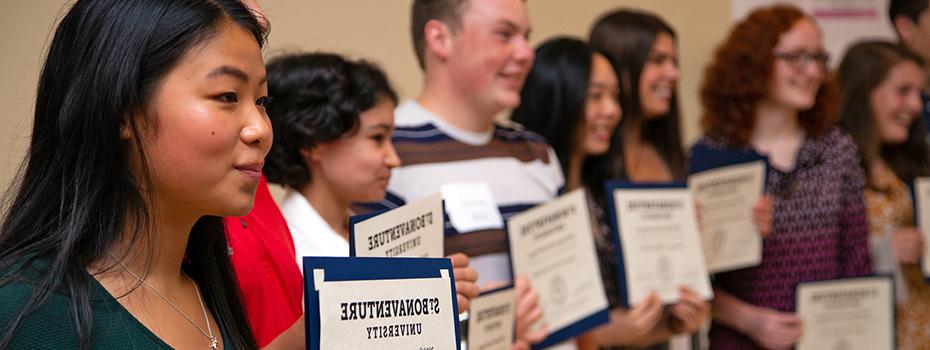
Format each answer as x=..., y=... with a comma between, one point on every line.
x=739, y=76
x=864, y=67
x=318, y=97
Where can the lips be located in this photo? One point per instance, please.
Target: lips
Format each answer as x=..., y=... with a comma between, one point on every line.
x=251, y=170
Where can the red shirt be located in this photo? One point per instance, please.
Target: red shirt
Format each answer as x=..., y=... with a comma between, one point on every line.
x=262, y=254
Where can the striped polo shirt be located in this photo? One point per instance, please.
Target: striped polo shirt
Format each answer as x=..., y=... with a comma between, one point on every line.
x=518, y=166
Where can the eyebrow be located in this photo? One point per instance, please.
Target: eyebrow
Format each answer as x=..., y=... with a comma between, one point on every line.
x=598, y=84
x=380, y=126
x=229, y=70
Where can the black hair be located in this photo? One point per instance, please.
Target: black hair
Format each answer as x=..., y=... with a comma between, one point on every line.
x=864, y=67
x=76, y=197
x=908, y=8
x=553, y=106
x=626, y=38
x=318, y=97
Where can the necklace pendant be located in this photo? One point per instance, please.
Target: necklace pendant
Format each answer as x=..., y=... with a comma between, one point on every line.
x=213, y=343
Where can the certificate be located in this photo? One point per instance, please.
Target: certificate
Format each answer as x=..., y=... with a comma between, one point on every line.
x=849, y=314
x=658, y=244
x=553, y=246
x=725, y=194
x=921, y=194
x=380, y=303
x=413, y=230
x=490, y=325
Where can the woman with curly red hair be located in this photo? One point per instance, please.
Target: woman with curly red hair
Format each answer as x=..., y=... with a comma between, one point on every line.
x=767, y=90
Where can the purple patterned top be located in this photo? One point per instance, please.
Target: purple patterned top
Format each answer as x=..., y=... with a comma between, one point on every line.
x=820, y=230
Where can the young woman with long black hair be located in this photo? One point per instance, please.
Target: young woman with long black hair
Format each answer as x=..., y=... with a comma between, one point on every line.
x=149, y=126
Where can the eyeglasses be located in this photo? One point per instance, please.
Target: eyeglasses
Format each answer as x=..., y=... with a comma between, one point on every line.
x=801, y=59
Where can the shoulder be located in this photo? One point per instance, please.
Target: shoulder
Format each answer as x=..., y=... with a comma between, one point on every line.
x=838, y=146
x=512, y=131
x=48, y=326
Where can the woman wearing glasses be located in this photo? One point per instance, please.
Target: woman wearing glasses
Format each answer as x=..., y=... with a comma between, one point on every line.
x=766, y=90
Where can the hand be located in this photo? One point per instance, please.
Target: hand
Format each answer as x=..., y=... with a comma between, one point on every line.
x=762, y=213
x=528, y=312
x=689, y=314
x=641, y=319
x=908, y=244
x=774, y=329
x=465, y=278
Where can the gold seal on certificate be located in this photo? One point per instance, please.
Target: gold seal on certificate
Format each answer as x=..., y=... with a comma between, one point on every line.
x=922, y=214
x=552, y=244
x=849, y=314
x=725, y=197
x=380, y=303
x=413, y=230
x=659, y=244
x=490, y=325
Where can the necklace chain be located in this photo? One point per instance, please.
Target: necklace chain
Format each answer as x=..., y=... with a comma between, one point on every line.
x=209, y=333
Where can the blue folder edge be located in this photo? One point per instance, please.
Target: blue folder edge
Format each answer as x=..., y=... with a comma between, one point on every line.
x=894, y=309
x=610, y=186
x=365, y=268
x=703, y=158
x=911, y=186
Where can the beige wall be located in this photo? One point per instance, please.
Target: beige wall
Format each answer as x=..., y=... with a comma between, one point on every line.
x=373, y=29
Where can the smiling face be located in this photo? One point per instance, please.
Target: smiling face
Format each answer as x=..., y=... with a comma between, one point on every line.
x=358, y=166
x=602, y=108
x=896, y=102
x=205, y=131
x=489, y=56
x=795, y=77
x=659, y=77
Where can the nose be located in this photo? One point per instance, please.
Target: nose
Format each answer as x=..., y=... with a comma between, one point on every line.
x=522, y=52
x=915, y=102
x=257, y=130
x=391, y=159
x=672, y=70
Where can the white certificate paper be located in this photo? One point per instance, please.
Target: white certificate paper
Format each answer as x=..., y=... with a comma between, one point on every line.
x=922, y=208
x=725, y=197
x=413, y=230
x=490, y=325
x=552, y=244
x=849, y=314
x=660, y=244
x=386, y=314
x=471, y=206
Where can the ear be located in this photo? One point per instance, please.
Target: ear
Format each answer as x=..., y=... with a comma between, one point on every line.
x=312, y=154
x=438, y=37
x=904, y=27
x=125, y=129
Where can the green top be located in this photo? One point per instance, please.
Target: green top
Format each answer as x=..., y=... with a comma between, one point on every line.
x=51, y=326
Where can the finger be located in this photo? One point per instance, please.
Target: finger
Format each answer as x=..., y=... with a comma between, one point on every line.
x=465, y=273
x=463, y=302
x=458, y=260
x=537, y=335
x=467, y=289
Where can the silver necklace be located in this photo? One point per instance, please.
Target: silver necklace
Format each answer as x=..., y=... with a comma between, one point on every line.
x=214, y=344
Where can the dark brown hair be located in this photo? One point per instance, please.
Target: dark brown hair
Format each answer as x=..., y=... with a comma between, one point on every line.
x=739, y=76
x=626, y=38
x=865, y=66
x=423, y=11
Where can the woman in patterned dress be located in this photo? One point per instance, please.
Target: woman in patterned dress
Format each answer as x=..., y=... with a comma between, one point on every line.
x=766, y=90
x=881, y=83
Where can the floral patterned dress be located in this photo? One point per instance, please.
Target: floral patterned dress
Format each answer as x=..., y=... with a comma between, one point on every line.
x=888, y=203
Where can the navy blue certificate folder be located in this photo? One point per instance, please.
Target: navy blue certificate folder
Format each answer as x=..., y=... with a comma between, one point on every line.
x=704, y=158
x=362, y=269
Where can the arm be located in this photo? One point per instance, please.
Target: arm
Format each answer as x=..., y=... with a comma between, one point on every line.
x=293, y=338
x=767, y=327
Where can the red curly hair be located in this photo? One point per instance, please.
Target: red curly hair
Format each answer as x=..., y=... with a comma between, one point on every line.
x=740, y=75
